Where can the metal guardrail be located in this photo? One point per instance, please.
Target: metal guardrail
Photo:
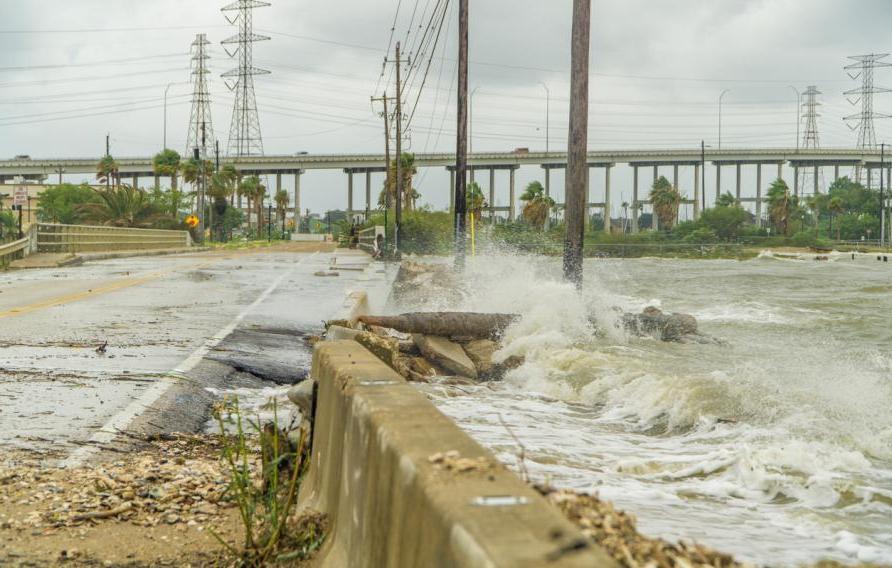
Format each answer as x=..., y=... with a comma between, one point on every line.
x=9, y=251
x=88, y=238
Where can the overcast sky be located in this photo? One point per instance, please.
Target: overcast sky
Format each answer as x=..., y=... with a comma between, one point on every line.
x=74, y=71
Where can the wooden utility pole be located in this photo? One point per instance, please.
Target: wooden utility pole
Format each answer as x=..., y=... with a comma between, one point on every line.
x=387, y=182
x=461, y=135
x=577, y=144
x=398, y=222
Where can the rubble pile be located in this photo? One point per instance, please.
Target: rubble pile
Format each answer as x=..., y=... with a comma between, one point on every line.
x=180, y=481
x=616, y=532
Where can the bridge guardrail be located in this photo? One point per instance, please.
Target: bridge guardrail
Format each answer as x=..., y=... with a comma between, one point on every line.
x=10, y=251
x=88, y=238
x=367, y=238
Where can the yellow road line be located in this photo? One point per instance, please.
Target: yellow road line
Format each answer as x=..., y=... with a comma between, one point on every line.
x=105, y=289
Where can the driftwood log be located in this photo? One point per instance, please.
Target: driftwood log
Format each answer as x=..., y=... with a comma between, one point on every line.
x=446, y=324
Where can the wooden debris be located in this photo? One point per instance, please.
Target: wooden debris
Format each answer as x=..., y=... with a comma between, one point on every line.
x=445, y=324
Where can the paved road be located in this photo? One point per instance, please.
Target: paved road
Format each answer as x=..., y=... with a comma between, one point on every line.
x=174, y=325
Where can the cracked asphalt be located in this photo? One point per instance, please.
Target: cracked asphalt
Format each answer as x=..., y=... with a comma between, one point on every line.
x=175, y=326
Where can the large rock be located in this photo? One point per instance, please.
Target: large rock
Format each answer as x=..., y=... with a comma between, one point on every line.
x=480, y=351
x=665, y=327
x=446, y=354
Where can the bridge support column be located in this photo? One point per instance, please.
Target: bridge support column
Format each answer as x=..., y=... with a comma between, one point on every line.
x=696, y=191
x=135, y=181
x=548, y=182
x=796, y=181
x=368, y=195
x=737, y=189
x=157, y=183
x=815, y=188
x=607, y=199
x=350, y=195
x=492, y=194
x=718, y=181
x=451, y=207
x=780, y=171
x=654, y=221
x=675, y=176
x=758, y=195
x=836, y=172
x=869, y=177
x=511, y=198
x=297, y=201
x=634, y=199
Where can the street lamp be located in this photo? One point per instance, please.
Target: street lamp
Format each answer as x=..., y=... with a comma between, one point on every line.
x=471, y=121
x=702, y=196
x=547, y=115
x=798, y=106
x=721, y=96
x=167, y=88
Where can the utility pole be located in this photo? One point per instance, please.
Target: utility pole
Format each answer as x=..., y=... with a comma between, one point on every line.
x=461, y=137
x=217, y=152
x=577, y=143
x=863, y=121
x=398, y=222
x=384, y=98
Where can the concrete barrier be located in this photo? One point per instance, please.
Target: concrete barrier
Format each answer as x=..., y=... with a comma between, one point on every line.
x=390, y=506
x=86, y=238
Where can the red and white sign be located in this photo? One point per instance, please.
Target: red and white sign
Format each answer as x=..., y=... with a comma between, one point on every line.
x=20, y=196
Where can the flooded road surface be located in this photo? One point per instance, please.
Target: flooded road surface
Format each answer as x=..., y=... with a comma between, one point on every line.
x=159, y=319
x=776, y=447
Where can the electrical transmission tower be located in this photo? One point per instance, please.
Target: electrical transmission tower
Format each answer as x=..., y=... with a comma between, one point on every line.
x=810, y=140
x=863, y=122
x=244, y=130
x=201, y=127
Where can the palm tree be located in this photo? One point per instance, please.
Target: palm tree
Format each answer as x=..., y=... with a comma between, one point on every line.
x=665, y=200
x=538, y=205
x=121, y=206
x=247, y=188
x=835, y=207
x=408, y=171
x=281, y=205
x=781, y=205
x=167, y=163
x=476, y=203
x=817, y=203
x=107, y=171
x=726, y=200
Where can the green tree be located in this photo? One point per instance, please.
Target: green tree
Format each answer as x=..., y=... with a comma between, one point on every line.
x=537, y=206
x=281, y=199
x=59, y=203
x=725, y=223
x=167, y=163
x=781, y=206
x=9, y=226
x=726, y=200
x=835, y=207
x=408, y=170
x=818, y=203
x=121, y=206
x=107, y=171
x=665, y=200
x=475, y=201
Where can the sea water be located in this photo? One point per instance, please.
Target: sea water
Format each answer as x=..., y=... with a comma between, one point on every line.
x=775, y=446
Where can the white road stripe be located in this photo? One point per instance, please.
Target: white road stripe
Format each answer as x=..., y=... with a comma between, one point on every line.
x=121, y=420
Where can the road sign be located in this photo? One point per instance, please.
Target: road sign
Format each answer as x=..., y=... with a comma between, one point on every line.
x=192, y=221
x=20, y=196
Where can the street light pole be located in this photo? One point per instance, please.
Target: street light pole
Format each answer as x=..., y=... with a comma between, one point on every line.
x=702, y=195
x=167, y=88
x=547, y=116
x=471, y=123
x=882, y=195
x=721, y=96
x=798, y=121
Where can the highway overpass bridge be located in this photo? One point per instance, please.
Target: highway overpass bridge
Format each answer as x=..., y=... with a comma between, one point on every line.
x=490, y=162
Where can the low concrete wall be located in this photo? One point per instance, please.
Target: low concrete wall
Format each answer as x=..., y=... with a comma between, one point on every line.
x=391, y=507
x=308, y=238
x=87, y=238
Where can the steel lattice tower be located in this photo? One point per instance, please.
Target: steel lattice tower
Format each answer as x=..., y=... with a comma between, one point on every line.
x=201, y=127
x=810, y=139
x=244, y=131
x=863, y=121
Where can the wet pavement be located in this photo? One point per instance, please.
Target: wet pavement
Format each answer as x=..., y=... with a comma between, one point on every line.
x=172, y=327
